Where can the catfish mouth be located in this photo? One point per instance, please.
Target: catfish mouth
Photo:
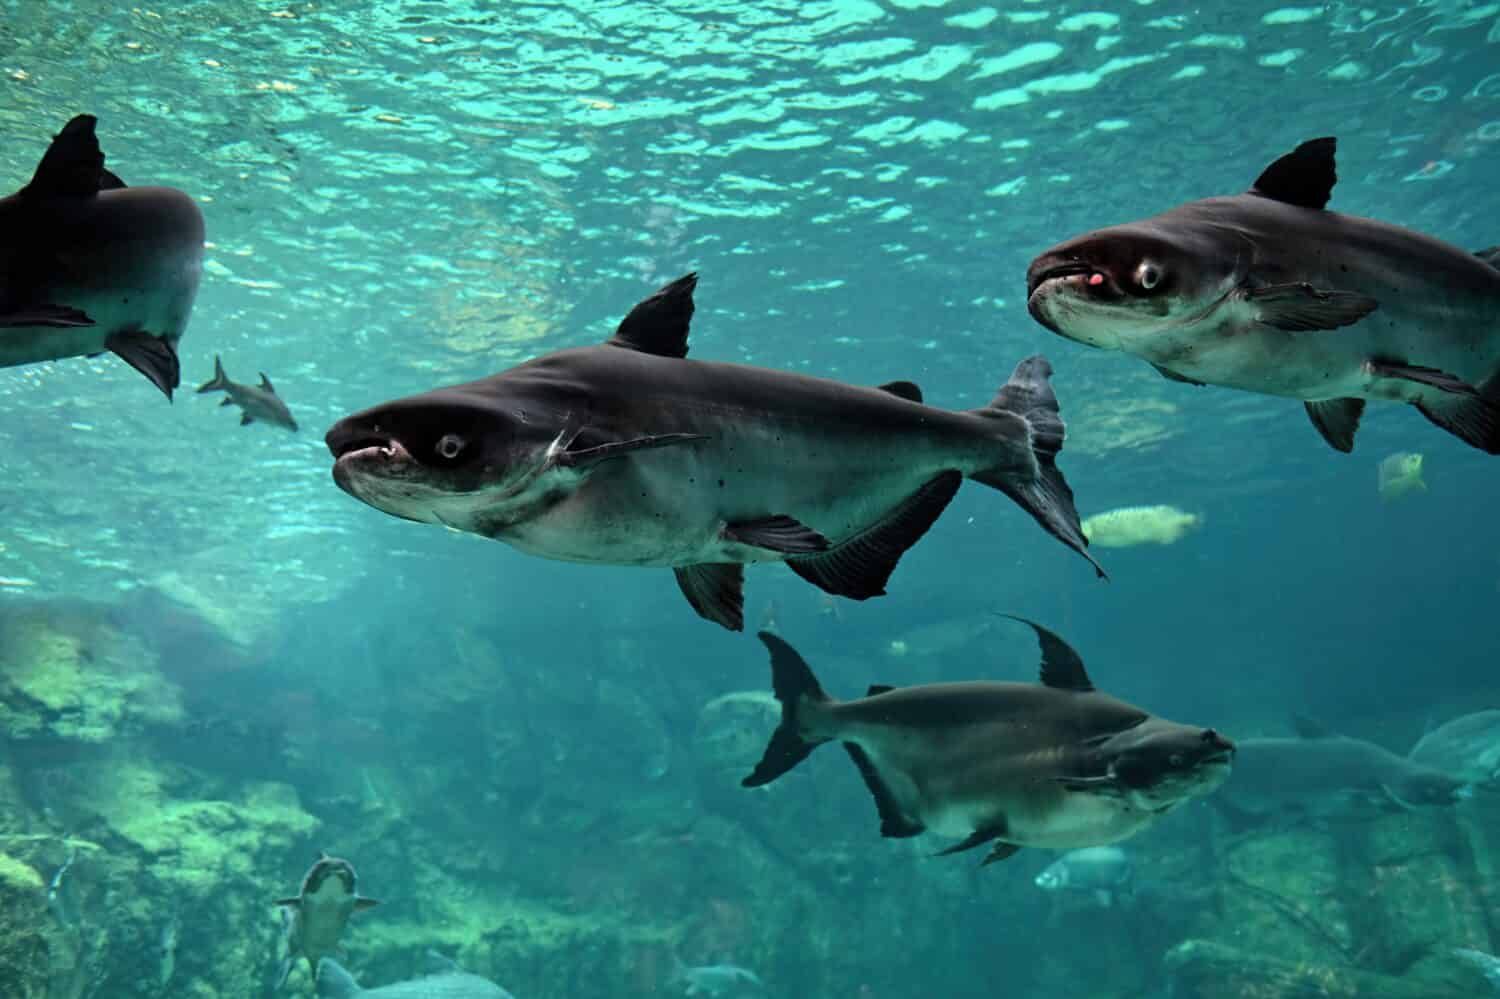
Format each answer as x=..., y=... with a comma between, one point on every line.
x=1062, y=292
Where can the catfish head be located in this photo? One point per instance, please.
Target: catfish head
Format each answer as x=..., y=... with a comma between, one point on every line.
x=464, y=457
x=1158, y=764
x=1123, y=287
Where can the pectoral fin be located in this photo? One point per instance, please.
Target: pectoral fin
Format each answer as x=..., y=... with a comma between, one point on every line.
x=716, y=591
x=1301, y=307
x=1337, y=420
x=778, y=533
x=586, y=457
x=1171, y=375
x=894, y=822
x=151, y=355
x=58, y=316
x=999, y=852
x=978, y=837
x=246, y=419
x=361, y=903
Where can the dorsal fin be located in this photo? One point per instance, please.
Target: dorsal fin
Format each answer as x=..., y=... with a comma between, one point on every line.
x=1061, y=666
x=879, y=688
x=73, y=164
x=265, y=383
x=1311, y=728
x=659, y=324
x=906, y=390
x=1305, y=176
x=1490, y=256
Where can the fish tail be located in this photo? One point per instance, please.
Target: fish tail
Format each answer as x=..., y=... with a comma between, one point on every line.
x=336, y=983
x=219, y=382
x=1042, y=491
x=797, y=690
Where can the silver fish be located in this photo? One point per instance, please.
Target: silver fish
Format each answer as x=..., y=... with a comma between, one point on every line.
x=1104, y=873
x=1468, y=748
x=1055, y=764
x=317, y=914
x=446, y=980
x=715, y=980
x=626, y=453
x=1267, y=291
x=88, y=265
x=1322, y=774
x=256, y=402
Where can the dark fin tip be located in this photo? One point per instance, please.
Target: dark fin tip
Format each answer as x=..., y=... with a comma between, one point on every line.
x=1062, y=668
x=1305, y=176
x=659, y=323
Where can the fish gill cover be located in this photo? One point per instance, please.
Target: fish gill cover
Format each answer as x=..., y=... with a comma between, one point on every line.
x=217, y=664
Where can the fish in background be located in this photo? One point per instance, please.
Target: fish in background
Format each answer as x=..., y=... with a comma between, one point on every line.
x=256, y=402
x=1466, y=748
x=316, y=916
x=1105, y=874
x=444, y=980
x=88, y=265
x=1128, y=526
x=1052, y=764
x=1269, y=292
x=1322, y=775
x=714, y=980
x=1488, y=964
x=1399, y=475
x=628, y=453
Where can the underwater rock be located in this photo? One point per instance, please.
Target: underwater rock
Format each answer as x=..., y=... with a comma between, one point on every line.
x=70, y=674
x=24, y=946
x=1207, y=970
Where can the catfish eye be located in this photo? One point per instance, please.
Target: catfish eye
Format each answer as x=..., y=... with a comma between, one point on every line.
x=1148, y=275
x=449, y=446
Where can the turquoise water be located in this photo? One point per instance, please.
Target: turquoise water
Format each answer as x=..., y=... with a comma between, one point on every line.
x=524, y=759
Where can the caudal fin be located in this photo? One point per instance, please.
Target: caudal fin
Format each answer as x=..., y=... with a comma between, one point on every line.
x=797, y=689
x=220, y=381
x=336, y=983
x=1041, y=491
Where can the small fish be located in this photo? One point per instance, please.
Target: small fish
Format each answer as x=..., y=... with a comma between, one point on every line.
x=444, y=980
x=1140, y=525
x=257, y=402
x=1054, y=764
x=316, y=915
x=1105, y=873
x=61, y=898
x=715, y=980
x=1488, y=964
x=628, y=453
x=88, y=265
x=1269, y=292
x=1467, y=748
x=1400, y=475
x=1321, y=774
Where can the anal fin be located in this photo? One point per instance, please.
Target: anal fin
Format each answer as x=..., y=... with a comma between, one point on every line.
x=1474, y=421
x=778, y=533
x=894, y=823
x=1337, y=420
x=60, y=316
x=1432, y=377
x=152, y=356
x=859, y=567
x=716, y=590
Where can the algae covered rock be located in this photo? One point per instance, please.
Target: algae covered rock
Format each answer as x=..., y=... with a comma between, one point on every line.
x=71, y=674
x=1208, y=970
x=23, y=942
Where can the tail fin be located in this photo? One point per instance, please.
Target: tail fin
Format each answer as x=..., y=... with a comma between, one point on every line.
x=1044, y=494
x=219, y=382
x=795, y=688
x=336, y=983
